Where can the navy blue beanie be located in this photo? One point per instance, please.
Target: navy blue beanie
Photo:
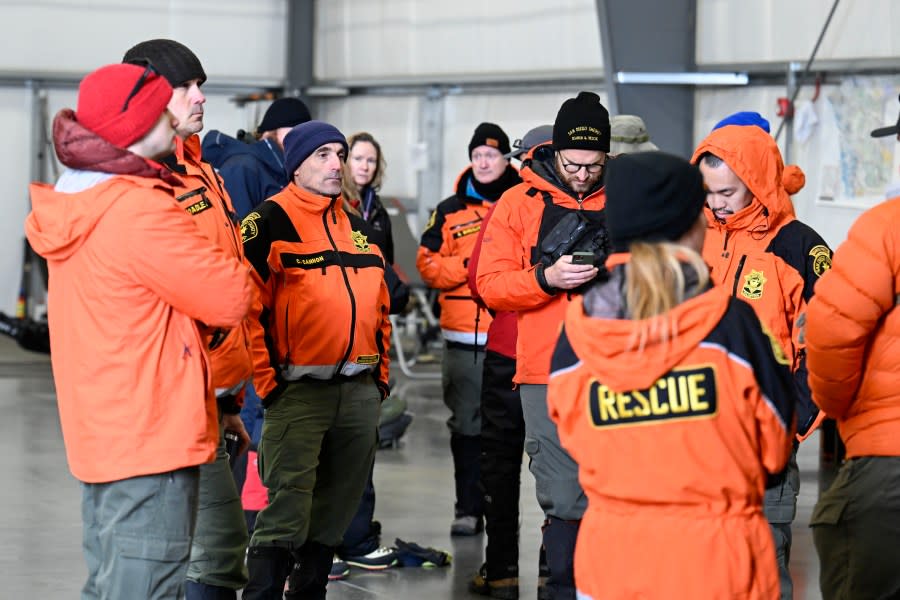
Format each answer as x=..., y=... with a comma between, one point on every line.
x=304, y=139
x=744, y=118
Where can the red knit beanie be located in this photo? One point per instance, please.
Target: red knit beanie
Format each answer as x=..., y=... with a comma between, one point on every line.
x=102, y=95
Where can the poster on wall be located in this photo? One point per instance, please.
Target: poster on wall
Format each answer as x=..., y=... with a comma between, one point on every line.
x=856, y=169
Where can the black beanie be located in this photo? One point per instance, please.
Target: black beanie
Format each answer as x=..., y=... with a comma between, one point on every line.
x=582, y=123
x=489, y=134
x=284, y=112
x=652, y=197
x=173, y=60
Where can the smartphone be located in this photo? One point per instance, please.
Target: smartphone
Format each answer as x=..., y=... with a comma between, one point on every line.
x=583, y=258
x=232, y=445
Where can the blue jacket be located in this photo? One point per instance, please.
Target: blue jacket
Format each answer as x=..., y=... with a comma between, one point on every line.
x=252, y=172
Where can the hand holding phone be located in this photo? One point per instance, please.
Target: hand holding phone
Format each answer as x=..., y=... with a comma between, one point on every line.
x=583, y=258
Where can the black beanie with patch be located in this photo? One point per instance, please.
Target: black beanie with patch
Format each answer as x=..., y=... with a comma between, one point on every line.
x=489, y=134
x=651, y=197
x=582, y=123
x=174, y=61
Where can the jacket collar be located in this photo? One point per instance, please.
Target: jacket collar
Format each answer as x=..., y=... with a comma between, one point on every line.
x=311, y=202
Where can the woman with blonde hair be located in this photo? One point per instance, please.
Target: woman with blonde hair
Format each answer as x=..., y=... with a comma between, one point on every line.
x=364, y=172
x=673, y=400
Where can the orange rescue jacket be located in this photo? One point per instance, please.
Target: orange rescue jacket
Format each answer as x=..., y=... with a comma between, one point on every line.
x=442, y=260
x=673, y=443
x=853, y=335
x=506, y=275
x=202, y=195
x=323, y=305
x=763, y=254
x=129, y=276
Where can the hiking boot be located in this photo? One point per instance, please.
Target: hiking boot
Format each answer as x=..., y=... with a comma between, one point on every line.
x=505, y=589
x=339, y=570
x=464, y=525
x=376, y=560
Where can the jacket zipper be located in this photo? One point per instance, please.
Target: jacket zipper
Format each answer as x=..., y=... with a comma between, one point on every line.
x=287, y=335
x=237, y=244
x=725, y=252
x=351, y=339
x=737, y=275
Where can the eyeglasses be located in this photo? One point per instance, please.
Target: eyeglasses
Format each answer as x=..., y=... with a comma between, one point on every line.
x=148, y=71
x=571, y=167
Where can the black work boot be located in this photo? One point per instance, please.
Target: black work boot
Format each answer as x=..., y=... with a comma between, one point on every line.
x=268, y=567
x=308, y=581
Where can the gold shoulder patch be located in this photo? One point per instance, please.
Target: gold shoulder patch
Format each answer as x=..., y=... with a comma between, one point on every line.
x=249, y=229
x=821, y=259
x=431, y=220
x=780, y=357
x=360, y=241
x=754, y=282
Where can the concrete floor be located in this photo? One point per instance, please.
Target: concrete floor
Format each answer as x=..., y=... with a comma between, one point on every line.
x=40, y=501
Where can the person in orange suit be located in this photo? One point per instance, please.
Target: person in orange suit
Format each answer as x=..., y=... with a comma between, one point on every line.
x=674, y=401
x=762, y=254
x=852, y=333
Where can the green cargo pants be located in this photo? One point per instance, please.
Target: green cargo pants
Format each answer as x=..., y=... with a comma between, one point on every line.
x=220, y=537
x=856, y=529
x=317, y=446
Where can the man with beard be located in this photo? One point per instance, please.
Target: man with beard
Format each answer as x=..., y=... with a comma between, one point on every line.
x=442, y=260
x=130, y=278
x=217, y=567
x=521, y=269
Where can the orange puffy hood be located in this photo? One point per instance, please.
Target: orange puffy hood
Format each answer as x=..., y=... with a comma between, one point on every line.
x=755, y=158
x=606, y=343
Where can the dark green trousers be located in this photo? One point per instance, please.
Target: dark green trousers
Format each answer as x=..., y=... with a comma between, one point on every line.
x=220, y=537
x=856, y=529
x=317, y=446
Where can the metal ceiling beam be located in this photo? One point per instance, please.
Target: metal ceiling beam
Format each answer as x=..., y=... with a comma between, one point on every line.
x=300, y=44
x=625, y=28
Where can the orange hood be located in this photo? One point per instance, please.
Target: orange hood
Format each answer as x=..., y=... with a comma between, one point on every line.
x=605, y=343
x=755, y=158
x=63, y=217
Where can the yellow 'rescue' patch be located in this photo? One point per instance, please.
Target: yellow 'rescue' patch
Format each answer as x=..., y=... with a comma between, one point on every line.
x=754, y=282
x=360, y=241
x=249, y=229
x=821, y=259
x=688, y=393
x=367, y=359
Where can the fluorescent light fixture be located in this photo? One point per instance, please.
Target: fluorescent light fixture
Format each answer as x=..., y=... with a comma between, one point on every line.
x=682, y=78
x=327, y=90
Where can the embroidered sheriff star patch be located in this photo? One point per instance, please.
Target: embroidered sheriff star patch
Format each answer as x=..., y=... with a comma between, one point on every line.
x=360, y=241
x=753, y=285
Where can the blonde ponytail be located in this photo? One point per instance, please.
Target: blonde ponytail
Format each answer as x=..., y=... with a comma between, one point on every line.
x=655, y=284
